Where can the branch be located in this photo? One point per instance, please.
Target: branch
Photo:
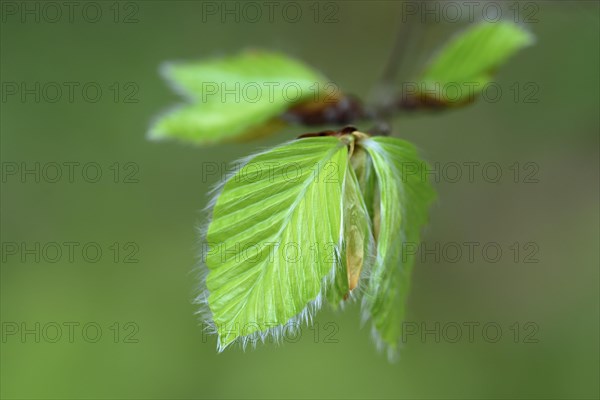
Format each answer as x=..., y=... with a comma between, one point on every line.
x=383, y=100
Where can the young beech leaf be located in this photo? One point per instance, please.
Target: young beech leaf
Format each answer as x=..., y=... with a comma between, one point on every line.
x=234, y=97
x=404, y=200
x=367, y=181
x=466, y=64
x=357, y=229
x=275, y=235
x=312, y=219
x=357, y=244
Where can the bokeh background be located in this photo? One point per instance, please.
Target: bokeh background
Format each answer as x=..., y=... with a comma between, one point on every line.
x=151, y=344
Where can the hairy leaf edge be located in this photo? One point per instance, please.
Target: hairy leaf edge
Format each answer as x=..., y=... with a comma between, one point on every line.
x=274, y=334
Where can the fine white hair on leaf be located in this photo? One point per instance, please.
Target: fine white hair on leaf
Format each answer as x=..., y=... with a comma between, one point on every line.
x=276, y=334
x=365, y=312
x=202, y=295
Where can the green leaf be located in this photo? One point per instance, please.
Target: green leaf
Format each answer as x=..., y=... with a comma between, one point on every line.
x=367, y=181
x=357, y=229
x=466, y=64
x=234, y=97
x=405, y=197
x=338, y=290
x=357, y=243
x=275, y=236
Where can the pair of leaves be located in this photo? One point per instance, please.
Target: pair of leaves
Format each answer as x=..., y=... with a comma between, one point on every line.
x=245, y=96
x=236, y=96
x=309, y=220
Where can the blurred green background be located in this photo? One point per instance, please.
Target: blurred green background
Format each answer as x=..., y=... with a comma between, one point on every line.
x=163, y=353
